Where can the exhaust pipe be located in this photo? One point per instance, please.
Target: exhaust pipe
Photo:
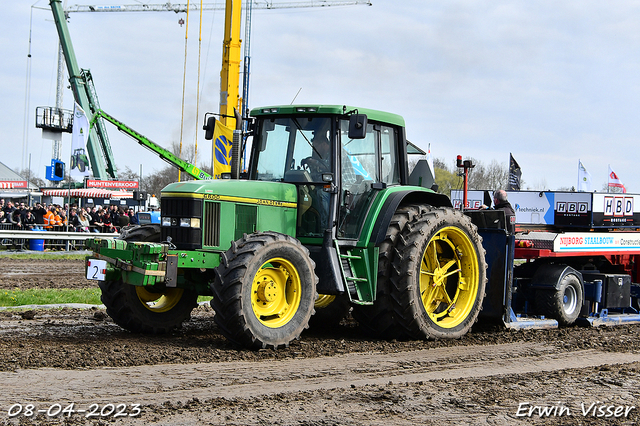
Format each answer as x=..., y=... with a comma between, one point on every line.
x=236, y=147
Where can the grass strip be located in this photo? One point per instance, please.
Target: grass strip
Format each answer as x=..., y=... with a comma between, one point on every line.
x=51, y=296
x=41, y=256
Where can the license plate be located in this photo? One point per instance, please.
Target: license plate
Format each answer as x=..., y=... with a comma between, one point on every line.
x=96, y=269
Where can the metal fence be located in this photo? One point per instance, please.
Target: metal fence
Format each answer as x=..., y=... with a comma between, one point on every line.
x=57, y=238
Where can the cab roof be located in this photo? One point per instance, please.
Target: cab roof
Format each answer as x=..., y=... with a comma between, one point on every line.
x=311, y=109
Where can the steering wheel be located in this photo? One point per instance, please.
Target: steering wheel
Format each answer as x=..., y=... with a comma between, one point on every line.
x=313, y=165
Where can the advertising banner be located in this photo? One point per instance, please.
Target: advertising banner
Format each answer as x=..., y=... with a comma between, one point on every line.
x=616, y=210
x=80, y=166
x=590, y=241
x=121, y=184
x=13, y=184
x=475, y=199
x=532, y=207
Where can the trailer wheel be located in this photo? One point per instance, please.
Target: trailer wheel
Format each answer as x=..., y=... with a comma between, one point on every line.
x=439, y=276
x=562, y=304
x=378, y=320
x=330, y=310
x=264, y=290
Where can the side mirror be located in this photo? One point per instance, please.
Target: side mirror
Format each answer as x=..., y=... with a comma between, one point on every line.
x=357, y=126
x=209, y=127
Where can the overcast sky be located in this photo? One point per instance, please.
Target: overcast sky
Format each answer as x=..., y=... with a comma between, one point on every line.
x=551, y=82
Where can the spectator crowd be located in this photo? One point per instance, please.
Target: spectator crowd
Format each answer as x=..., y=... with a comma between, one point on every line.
x=61, y=218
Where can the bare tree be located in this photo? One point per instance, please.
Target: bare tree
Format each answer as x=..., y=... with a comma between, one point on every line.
x=31, y=177
x=492, y=176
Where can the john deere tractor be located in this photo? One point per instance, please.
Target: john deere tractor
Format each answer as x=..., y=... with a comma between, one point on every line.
x=323, y=220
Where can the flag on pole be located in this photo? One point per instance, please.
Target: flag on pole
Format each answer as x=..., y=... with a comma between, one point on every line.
x=80, y=167
x=515, y=173
x=222, y=143
x=584, y=178
x=614, y=181
x=430, y=162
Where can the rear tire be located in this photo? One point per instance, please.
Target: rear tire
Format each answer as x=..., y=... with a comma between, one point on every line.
x=438, y=276
x=330, y=310
x=563, y=304
x=264, y=290
x=378, y=320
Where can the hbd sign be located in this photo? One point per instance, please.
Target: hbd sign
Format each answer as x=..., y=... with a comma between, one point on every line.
x=572, y=207
x=618, y=206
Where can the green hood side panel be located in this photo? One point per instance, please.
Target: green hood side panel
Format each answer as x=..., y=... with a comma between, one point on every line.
x=259, y=190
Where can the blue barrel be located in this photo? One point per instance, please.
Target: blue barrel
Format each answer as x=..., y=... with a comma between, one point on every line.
x=36, y=245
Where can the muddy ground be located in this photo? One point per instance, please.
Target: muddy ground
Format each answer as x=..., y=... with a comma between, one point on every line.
x=50, y=358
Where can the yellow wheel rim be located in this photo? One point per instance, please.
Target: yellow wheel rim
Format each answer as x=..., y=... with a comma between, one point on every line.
x=276, y=293
x=324, y=300
x=449, y=276
x=159, y=302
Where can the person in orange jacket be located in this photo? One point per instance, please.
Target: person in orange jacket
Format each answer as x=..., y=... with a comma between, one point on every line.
x=49, y=218
x=57, y=218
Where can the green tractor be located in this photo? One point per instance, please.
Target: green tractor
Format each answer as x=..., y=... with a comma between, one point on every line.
x=323, y=220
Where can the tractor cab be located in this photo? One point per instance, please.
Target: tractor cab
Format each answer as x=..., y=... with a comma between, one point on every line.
x=336, y=159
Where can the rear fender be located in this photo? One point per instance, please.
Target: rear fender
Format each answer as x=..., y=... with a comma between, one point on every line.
x=394, y=200
x=551, y=275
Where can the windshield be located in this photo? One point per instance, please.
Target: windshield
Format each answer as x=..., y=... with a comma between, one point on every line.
x=291, y=144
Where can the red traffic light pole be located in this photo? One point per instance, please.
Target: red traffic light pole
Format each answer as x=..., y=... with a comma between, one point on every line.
x=465, y=165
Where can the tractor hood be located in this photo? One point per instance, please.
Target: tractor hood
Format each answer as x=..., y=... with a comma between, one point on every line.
x=239, y=191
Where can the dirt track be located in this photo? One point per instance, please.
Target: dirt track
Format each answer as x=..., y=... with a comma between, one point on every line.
x=329, y=377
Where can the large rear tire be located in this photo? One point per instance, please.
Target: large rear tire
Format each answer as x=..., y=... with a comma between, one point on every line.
x=330, y=310
x=438, y=276
x=264, y=290
x=378, y=320
x=152, y=309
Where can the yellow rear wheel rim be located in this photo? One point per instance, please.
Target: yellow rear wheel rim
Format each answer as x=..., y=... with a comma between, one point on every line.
x=276, y=292
x=324, y=300
x=449, y=277
x=159, y=302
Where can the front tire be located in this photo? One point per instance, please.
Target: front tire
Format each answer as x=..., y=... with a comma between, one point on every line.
x=264, y=290
x=143, y=309
x=146, y=309
x=439, y=276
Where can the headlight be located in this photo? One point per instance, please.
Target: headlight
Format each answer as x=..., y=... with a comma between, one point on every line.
x=166, y=221
x=190, y=222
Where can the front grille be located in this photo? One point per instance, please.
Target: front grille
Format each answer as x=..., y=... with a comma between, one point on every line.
x=211, y=224
x=183, y=238
x=181, y=207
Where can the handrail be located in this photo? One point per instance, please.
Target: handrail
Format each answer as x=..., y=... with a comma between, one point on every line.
x=54, y=235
